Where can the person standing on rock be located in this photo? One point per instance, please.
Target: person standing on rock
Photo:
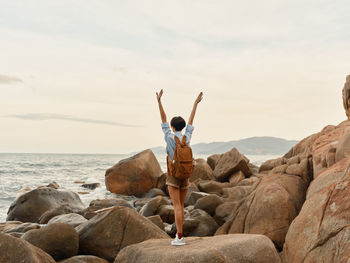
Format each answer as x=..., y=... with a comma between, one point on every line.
x=177, y=187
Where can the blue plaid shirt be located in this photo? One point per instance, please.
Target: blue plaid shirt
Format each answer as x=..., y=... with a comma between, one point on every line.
x=170, y=137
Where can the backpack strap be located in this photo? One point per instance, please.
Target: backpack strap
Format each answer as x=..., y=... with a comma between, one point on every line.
x=177, y=139
x=184, y=142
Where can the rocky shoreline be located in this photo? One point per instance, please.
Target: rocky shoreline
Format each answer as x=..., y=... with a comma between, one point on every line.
x=291, y=209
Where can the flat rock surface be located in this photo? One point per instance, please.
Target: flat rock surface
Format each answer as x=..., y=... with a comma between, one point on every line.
x=233, y=248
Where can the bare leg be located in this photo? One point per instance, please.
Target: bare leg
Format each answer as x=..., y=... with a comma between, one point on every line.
x=175, y=198
x=183, y=193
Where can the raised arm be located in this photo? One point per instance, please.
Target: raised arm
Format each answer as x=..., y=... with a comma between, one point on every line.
x=161, y=110
x=199, y=98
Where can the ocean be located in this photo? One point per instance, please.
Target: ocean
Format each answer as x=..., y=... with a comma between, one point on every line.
x=20, y=172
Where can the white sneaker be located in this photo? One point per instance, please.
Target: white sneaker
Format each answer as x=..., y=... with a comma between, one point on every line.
x=178, y=242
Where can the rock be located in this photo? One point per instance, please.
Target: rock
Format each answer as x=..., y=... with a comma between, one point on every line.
x=22, y=228
x=99, y=204
x=61, y=210
x=212, y=187
x=161, y=182
x=343, y=147
x=154, y=192
x=53, y=185
x=228, y=248
x=139, y=203
x=9, y=225
x=16, y=250
x=269, y=209
x=270, y=164
x=248, y=181
x=135, y=175
x=16, y=234
x=168, y=228
x=235, y=178
x=293, y=160
x=192, y=188
x=30, y=206
x=201, y=171
x=281, y=169
x=198, y=223
x=209, y=203
x=194, y=196
x=294, y=169
x=233, y=199
x=157, y=221
x=71, y=219
x=322, y=147
x=229, y=163
x=84, y=259
x=166, y=213
x=60, y=240
x=346, y=97
x=105, y=234
x=320, y=233
x=91, y=186
x=212, y=160
x=152, y=206
x=253, y=168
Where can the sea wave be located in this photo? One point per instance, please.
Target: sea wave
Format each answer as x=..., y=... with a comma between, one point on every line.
x=20, y=172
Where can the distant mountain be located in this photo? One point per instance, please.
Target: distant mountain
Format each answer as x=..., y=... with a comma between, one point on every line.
x=249, y=146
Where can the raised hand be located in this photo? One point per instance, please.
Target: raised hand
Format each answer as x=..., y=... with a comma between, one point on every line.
x=199, y=98
x=159, y=95
x=161, y=110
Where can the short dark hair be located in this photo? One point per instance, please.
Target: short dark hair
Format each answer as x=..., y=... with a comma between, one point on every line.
x=178, y=123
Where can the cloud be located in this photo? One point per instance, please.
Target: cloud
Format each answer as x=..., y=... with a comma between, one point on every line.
x=5, y=79
x=52, y=116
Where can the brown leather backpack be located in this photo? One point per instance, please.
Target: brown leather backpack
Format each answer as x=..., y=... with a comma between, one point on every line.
x=182, y=165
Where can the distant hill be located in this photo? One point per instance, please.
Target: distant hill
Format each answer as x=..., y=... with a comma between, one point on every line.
x=249, y=146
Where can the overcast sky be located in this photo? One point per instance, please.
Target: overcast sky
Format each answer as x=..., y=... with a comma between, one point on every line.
x=80, y=76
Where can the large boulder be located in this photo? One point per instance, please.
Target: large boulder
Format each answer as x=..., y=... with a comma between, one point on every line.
x=325, y=148
x=321, y=231
x=135, y=175
x=226, y=249
x=30, y=206
x=201, y=171
x=106, y=234
x=229, y=163
x=269, y=209
x=60, y=240
x=15, y=250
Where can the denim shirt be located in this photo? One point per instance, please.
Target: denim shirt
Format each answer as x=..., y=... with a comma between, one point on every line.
x=170, y=137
